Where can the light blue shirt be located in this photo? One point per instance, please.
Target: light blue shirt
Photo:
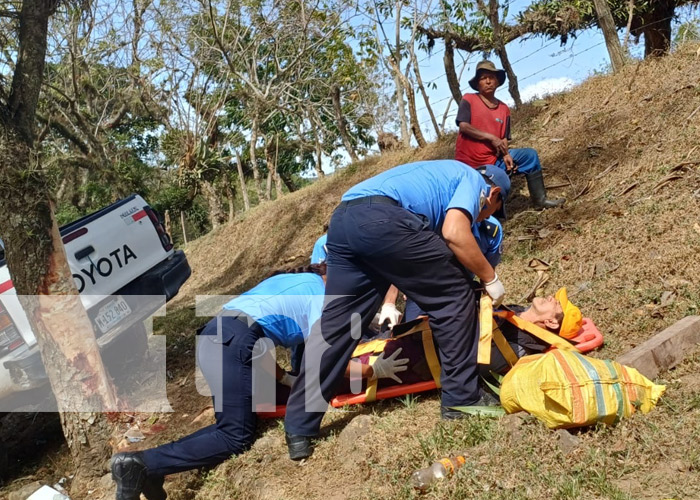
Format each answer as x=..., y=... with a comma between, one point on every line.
x=286, y=306
x=428, y=188
x=319, y=254
x=489, y=237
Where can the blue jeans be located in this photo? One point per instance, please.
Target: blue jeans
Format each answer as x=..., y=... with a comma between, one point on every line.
x=370, y=246
x=526, y=159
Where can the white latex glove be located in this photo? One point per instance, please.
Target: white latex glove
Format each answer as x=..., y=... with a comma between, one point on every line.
x=388, y=367
x=288, y=379
x=389, y=312
x=495, y=290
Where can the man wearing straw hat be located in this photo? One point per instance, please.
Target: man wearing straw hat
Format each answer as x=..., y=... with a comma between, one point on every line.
x=484, y=132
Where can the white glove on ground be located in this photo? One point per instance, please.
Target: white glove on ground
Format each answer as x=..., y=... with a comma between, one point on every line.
x=495, y=290
x=388, y=367
x=390, y=313
x=288, y=379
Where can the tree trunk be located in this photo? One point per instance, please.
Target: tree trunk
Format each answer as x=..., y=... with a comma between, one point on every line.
x=268, y=185
x=450, y=72
x=253, y=158
x=278, y=180
x=37, y=261
x=396, y=64
x=291, y=187
x=421, y=88
x=168, y=222
x=612, y=42
x=657, y=30
x=342, y=123
x=241, y=178
x=319, y=156
x=230, y=197
x=182, y=225
x=413, y=113
x=500, y=48
x=216, y=212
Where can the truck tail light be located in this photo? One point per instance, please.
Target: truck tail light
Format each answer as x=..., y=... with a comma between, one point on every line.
x=164, y=238
x=10, y=339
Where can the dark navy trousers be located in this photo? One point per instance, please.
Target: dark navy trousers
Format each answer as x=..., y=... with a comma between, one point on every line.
x=226, y=363
x=370, y=246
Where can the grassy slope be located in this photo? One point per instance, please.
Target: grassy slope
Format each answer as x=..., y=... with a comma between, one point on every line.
x=622, y=240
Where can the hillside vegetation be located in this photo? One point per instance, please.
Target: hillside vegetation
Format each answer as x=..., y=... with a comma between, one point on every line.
x=624, y=150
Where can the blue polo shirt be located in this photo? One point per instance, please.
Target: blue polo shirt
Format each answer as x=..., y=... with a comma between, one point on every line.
x=489, y=236
x=428, y=188
x=286, y=306
x=319, y=254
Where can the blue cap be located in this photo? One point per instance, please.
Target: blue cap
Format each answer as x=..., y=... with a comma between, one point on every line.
x=500, y=178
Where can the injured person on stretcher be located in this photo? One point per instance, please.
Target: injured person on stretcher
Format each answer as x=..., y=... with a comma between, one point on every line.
x=407, y=362
x=552, y=317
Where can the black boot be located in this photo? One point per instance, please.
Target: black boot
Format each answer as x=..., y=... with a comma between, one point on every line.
x=130, y=474
x=538, y=194
x=299, y=446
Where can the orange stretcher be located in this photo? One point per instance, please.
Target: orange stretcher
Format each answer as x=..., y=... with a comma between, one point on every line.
x=587, y=339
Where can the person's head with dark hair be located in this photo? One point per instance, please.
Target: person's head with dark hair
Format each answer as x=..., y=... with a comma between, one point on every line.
x=319, y=269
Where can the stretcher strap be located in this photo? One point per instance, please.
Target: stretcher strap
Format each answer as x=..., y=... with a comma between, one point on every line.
x=371, y=391
x=431, y=357
x=485, y=329
x=504, y=346
x=371, y=347
x=539, y=332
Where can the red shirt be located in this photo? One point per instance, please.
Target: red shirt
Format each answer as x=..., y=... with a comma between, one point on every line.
x=495, y=121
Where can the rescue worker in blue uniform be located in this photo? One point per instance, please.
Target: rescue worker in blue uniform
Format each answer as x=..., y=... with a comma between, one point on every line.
x=410, y=226
x=282, y=309
x=319, y=253
x=489, y=236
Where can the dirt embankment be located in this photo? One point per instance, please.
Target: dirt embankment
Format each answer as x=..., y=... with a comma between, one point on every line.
x=624, y=150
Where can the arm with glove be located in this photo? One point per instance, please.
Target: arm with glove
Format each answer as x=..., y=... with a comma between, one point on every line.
x=457, y=232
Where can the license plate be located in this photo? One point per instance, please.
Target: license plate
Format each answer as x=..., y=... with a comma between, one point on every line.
x=112, y=313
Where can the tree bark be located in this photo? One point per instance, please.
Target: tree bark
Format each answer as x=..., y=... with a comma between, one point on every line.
x=216, y=212
x=278, y=180
x=342, y=123
x=500, y=48
x=253, y=158
x=396, y=64
x=37, y=260
x=168, y=222
x=241, y=178
x=419, y=80
x=291, y=187
x=448, y=59
x=319, y=156
x=612, y=42
x=413, y=113
x=657, y=28
x=182, y=225
x=230, y=196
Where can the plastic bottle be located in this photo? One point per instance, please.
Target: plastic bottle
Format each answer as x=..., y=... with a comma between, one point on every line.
x=423, y=478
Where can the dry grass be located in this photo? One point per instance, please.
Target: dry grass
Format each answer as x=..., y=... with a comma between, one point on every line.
x=629, y=233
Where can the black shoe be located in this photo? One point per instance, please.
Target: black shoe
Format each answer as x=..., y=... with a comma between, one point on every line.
x=129, y=472
x=299, y=446
x=153, y=488
x=486, y=399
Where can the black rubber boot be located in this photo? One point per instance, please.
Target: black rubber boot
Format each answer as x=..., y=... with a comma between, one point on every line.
x=130, y=474
x=538, y=193
x=486, y=399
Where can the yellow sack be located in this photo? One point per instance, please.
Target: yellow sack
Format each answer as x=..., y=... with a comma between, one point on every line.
x=567, y=389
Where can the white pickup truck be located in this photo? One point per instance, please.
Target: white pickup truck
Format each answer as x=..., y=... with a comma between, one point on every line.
x=118, y=255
